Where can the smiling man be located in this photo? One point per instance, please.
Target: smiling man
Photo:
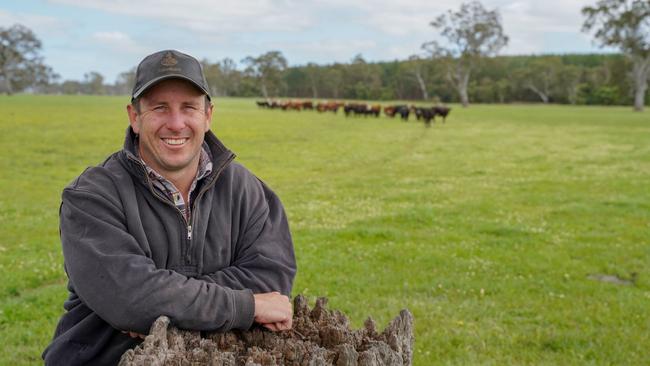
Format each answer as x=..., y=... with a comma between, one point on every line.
x=169, y=225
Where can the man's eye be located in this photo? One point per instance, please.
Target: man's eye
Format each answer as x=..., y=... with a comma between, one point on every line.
x=191, y=107
x=159, y=108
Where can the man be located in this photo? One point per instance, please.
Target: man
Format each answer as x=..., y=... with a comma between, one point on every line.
x=169, y=226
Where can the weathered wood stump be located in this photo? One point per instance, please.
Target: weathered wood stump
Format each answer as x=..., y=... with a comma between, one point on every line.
x=319, y=337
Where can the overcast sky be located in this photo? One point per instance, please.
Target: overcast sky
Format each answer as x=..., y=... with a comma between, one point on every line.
x=111, y=36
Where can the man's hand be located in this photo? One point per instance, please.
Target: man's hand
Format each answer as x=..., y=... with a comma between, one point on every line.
x=134, y=334
x=273, y=311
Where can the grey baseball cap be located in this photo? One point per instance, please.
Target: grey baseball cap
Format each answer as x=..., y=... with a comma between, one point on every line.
x=168, y=64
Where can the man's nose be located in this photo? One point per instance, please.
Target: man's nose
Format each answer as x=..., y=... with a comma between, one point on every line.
x=176, y=120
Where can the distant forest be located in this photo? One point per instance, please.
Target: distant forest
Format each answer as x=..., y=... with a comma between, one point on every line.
x=462, y=65
x=566, y=79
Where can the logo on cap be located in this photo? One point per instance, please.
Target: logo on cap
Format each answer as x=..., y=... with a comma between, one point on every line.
x=168, y=60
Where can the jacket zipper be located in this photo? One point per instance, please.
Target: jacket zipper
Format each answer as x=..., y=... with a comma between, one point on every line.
x=188, y=225
x=193, y=206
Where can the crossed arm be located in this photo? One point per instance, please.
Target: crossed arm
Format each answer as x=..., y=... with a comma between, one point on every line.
x=114, y=277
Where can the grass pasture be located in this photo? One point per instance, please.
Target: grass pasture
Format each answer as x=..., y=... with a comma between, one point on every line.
x=486, y=228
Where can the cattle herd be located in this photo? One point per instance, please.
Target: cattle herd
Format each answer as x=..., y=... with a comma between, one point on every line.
x=424, y=114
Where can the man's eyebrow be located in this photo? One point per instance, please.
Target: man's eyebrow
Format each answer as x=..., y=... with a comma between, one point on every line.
x=156, y=102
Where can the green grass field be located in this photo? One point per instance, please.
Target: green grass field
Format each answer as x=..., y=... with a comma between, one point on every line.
x=486, y=228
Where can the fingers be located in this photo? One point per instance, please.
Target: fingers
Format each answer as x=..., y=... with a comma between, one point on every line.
x=278, y=327
x=134, y=334
x=271, y=326
x=283, y=326
x=273, y=308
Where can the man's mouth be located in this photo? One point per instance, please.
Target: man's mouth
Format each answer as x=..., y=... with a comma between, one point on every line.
x=175, y=141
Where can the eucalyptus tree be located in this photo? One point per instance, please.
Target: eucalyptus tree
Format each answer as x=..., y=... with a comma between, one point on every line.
x=230, y=76
x=470, y=34
x=212, y=73
x=93, y=83
x=541, y=76
x=124, y=82
x=569, y=82
x=21, y=64
x=314, y=75
x=624, y=24
x=415, y=67
x=268, y=70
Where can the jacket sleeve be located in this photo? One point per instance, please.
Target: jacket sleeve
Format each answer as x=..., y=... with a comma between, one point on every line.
x=113, y=276
x=264, y=256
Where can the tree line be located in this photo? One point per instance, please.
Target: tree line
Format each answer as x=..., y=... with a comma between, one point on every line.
x=463, y=66
x=566, y=79
x=592, y=79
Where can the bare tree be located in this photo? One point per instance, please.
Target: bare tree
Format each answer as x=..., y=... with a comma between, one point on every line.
x=471, y=33
x=625, y=24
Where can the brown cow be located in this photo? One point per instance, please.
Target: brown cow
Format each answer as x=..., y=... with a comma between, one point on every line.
x=328, y=106
x=390, y=111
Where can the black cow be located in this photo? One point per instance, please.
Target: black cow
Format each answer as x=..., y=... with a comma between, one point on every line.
x=428, y=114
x=417, y=111
x=442, y=112
x=424, y=114
x=362, y=109
x=403, y=111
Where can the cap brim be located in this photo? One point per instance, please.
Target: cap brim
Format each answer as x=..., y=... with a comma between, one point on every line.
x=165, y=77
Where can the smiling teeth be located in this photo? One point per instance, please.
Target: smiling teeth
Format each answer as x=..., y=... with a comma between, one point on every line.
x=174, y=141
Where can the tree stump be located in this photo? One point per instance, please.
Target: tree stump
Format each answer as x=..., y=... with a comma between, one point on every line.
x=319, y=337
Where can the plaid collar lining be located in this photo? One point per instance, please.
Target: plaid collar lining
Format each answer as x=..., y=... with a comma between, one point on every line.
x=168, y=188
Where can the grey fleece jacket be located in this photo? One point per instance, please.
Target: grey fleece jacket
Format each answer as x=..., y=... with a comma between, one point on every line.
x=131, y=256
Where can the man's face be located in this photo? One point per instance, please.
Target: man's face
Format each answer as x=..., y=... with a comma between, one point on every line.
x=171, y=123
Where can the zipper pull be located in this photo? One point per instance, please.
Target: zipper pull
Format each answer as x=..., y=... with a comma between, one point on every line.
x=189, y=232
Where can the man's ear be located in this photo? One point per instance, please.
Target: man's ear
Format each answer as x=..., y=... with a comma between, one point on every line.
x=133, y=118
